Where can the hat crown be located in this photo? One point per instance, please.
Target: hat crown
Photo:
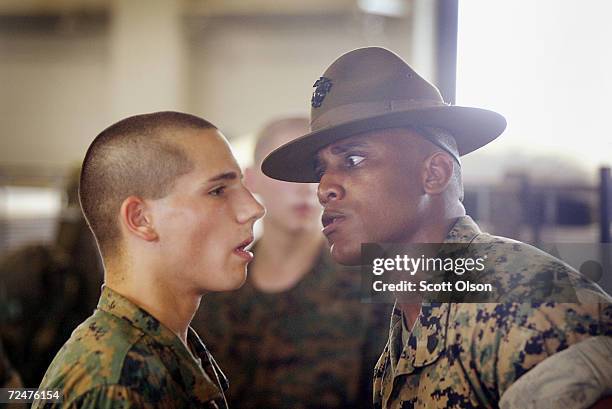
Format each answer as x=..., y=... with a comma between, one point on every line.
x=372, y=76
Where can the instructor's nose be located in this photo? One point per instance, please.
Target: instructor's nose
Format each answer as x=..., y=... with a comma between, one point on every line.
x=329, y=189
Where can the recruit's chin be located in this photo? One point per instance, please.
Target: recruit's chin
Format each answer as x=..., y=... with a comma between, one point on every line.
x=237, y=278
x=230, y=278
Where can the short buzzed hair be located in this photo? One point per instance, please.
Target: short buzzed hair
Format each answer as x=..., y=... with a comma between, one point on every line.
x=274, y=128
x=136, y=157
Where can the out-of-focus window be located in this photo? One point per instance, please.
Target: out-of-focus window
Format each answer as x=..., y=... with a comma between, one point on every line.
x=28, y=214
x=545, y=65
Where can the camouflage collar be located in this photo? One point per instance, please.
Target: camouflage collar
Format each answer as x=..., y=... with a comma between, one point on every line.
x=427, y=339
x=463, y=231
x=190, y=363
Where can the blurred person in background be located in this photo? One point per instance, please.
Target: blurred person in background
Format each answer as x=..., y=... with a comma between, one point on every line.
x=296, y=335
x=164, y=198
x=63, y=279
x=9, y=378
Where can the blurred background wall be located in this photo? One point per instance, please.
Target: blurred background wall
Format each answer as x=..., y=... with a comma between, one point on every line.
x=69, y=68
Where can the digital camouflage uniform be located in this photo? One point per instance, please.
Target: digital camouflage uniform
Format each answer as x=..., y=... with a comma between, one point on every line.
x=466, y=355
x=548, y=386
x=314, y=345
x=122, y=357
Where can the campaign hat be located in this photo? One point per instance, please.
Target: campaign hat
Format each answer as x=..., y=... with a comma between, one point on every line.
x=373, y=88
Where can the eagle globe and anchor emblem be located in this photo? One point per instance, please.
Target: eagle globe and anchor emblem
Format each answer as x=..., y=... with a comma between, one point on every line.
x=322, y=87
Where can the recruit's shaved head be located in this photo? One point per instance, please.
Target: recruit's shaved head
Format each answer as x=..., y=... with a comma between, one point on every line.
x=137, y=156
x=266, y=139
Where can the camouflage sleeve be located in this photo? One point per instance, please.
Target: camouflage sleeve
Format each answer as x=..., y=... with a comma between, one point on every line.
x=548, y=386
x=537, y=332
x=508, y=339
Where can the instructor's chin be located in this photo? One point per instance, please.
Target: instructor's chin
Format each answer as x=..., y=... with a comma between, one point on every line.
x=344, y=256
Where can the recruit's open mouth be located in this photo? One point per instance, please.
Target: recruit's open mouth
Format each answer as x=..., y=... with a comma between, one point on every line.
x=242, y=251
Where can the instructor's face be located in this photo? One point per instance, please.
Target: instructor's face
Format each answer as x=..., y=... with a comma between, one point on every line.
x=371, y=189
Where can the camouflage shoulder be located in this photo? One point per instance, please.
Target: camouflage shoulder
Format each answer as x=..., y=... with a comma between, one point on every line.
x=93, y=356
x=514, y=337
x=524, y=273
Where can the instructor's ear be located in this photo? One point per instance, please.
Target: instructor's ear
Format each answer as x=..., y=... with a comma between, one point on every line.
x=136, y=219
x=438, y=171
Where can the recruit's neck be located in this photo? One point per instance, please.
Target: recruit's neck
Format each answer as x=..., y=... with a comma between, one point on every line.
x=171, y=306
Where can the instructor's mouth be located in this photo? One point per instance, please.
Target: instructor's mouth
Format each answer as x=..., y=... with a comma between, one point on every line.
x=330, y=221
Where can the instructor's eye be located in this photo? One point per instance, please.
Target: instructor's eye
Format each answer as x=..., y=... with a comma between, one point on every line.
x=217, y=191
x=319, y=172
x=353, y=160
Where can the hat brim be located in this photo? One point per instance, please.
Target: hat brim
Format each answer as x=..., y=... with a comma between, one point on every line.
x=471, y=127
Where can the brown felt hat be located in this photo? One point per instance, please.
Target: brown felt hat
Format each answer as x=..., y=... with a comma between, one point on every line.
x=373, y=88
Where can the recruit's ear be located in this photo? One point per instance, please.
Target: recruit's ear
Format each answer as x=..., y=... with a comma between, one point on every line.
x=136, y=218
x=438, y=171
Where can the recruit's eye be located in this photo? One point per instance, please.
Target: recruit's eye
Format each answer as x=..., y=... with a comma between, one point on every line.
x=353, y=160
x=218, y=191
